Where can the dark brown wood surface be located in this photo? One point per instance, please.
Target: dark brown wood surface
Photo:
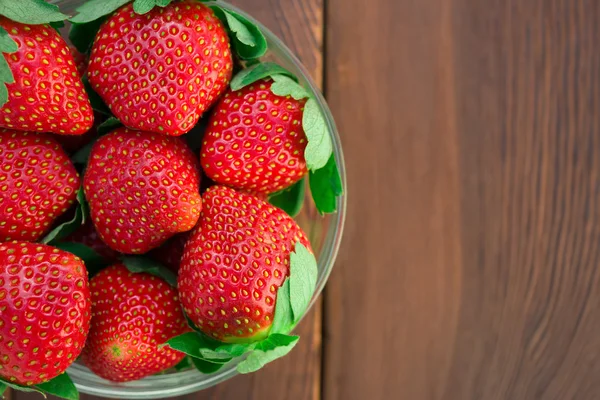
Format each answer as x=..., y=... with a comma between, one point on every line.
x=469, y=268
x=469, y=265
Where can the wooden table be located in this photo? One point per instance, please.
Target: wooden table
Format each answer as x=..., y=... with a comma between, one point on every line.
x=469, y=268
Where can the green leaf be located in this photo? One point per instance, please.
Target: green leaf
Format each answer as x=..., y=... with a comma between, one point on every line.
x=163, y=3
x=67, y=228
x=3, y=387
x=190, y=343
x=206, y=367
x=291, y=199
x=57, y=25
x=183, y=364
x=94, y=9
x=267, y=350
x=224, y=353
x=14, y=386
x=31, y=12
x=96, y=101
x=61, y=386
x=257, y=72
x=242, y=33
x=83, y=204
x=326, y=186
x=143, y=6
x=82, y=155
x=94, y=262
x=303, y=279
x=7, y=45
x=283, y=320
x=247, y=39
x=109, y=125
x=145, y=264
x=82, y=35
x=285, y=86
x=319, y=147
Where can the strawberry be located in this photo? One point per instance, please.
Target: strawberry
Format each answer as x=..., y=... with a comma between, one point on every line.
x=255, y=141
x=142, y=189
x=132, y=315
x=47, y=95
x=38, y=183
x=45, y=311
x=235, y=261
x=160, y=71
x=88, y=236
x=170, y=253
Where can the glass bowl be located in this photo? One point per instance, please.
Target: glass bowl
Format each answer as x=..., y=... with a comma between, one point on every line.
x=325, y=234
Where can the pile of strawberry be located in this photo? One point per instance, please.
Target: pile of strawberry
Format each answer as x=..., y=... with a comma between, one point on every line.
x=149, y=176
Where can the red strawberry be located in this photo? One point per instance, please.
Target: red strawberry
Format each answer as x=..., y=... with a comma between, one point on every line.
x=255, y=141
x=170, y=253
x=160, y=71
x=47, y=95
x=45, y=311
x=38, y=183
x=132, y=315
x=237, y=258
x=142, y=189
x=88, y=236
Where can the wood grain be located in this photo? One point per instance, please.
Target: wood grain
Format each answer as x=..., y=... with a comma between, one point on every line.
x=469, y=265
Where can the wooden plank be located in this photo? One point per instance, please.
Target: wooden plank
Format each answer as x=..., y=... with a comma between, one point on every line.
x=392, y=302
x=297, y=377
x=469, y=265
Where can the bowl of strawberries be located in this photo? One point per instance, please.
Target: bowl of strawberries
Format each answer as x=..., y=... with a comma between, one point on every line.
x=171, y=196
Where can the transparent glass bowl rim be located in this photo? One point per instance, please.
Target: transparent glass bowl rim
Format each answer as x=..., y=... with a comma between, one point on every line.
x=160, y=386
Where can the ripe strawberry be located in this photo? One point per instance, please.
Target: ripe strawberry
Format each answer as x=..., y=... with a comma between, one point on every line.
x=47, y=95
x=237, y=258
x=38, y=183
x=45, y=311
x=255, y=141
x=170, y=253
x=88, y=236
x=142, y=189
x=160, y=71
x=132, y=315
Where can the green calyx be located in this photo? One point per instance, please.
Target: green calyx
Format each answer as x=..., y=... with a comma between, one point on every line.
x=31, y=12
x=246, y=38
x=293, y=298
x=65, y=229
x=290, y=199
x=7, y=46
x=139, y=264
x=324, y=177
x=61, y=386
